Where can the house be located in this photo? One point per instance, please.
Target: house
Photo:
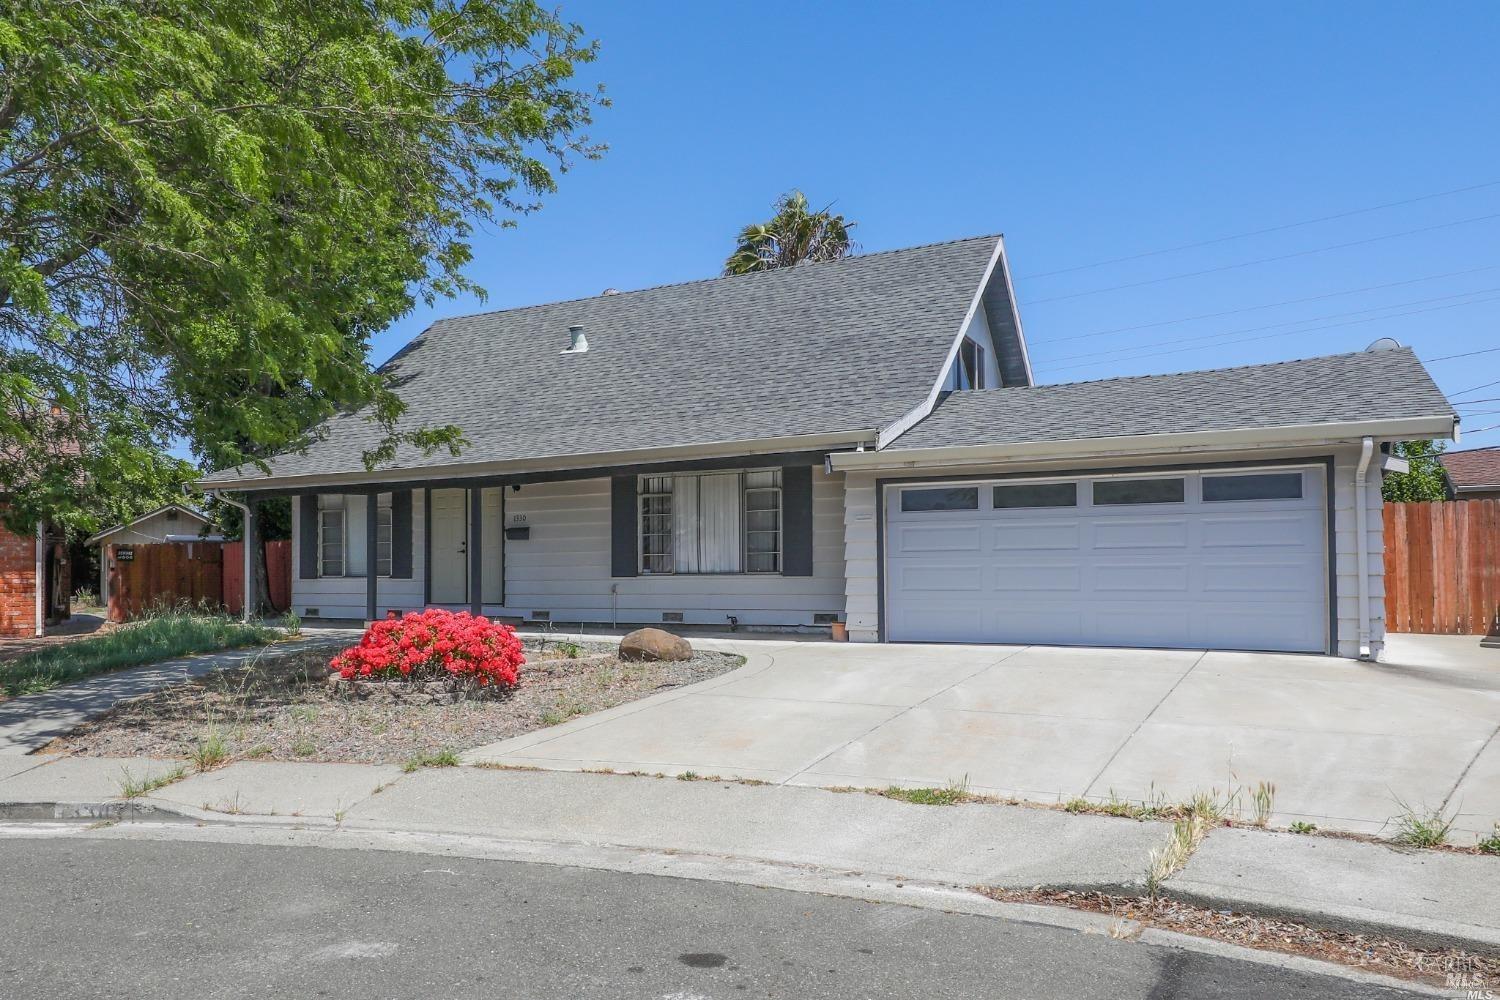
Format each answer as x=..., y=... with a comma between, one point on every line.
x=1473, y=474
x=169, y=523
x=35, y=582
x=857, y=441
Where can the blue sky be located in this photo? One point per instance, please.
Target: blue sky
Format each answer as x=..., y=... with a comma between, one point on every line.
x=1085, y=133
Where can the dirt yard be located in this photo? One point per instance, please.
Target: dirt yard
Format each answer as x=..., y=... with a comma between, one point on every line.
x=286, y=711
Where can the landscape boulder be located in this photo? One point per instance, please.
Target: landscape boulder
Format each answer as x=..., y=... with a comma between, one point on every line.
x=654, y=644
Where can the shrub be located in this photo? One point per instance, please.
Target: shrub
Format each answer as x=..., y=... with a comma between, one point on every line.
x=435, y=644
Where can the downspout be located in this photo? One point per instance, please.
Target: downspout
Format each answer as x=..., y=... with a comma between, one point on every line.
x=39, y=580
x=244, y=508
x=1362, y=545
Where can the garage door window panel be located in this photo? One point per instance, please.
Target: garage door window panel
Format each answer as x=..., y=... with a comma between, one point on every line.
x=1034, y=495
x=1129, y=492
x=942, y=498
x=1261, y=486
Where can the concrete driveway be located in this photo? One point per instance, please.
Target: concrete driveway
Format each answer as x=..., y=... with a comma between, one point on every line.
x=1343, y=742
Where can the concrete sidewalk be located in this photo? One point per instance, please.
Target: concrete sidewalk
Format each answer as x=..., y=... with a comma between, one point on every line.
x=612, y=821
x=31, y=721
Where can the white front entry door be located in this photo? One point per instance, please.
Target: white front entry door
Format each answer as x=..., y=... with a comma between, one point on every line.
x=450, y=537
x=1231, y=559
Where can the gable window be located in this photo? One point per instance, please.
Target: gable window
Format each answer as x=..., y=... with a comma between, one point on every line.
x=711, y=522
x=968, y=367
x=331, y=535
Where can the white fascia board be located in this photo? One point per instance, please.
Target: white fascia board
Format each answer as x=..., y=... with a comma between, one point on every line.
x=568, y=463
x=1015, y=312
x=916, y=414
x=1146, y=444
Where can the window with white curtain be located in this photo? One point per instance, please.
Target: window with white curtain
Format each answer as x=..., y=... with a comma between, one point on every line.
x=711, y=522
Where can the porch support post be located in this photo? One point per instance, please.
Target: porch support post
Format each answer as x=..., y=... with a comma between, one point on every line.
x=372, y=543
x=476, y=551
x=250, y=546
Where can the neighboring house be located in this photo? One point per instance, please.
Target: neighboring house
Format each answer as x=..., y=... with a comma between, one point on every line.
x=169, y=523
x=35, y=582
x=857, y=441
x=1473, y=474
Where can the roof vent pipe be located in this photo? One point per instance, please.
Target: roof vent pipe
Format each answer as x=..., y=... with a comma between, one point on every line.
x=577, y=342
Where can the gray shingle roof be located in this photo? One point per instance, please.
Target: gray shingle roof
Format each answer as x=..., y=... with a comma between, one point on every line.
x=1338, y=388
x=842, y=346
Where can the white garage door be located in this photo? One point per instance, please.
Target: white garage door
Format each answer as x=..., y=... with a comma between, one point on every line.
x=1233, y=559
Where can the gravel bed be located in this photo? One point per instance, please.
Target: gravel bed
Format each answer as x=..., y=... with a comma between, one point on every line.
x=1371, y=952
x=284, y=710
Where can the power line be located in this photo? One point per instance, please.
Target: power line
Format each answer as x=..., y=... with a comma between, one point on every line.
x=1288, y=333
x=1466, y=354
x=1476, y=388
x=1273, y=326
x=1481, y=430
x=1487, y=399
x=1259, y=232
x=1267, y=305
x=1263, y=260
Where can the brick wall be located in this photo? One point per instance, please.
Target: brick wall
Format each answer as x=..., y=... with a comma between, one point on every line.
x=17, y=584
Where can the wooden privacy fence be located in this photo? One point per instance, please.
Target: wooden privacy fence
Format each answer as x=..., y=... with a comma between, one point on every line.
x=278, y=574
x=1442, y=567
x=196, y=573
x=145, y=576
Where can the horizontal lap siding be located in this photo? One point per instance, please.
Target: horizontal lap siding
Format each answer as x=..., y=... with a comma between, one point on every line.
x=564, y=567
x=1346, y=555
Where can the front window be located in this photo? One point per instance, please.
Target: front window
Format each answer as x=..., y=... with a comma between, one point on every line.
x=712, y=522
x=331, y=535
x=383, y=536
x=341, y=535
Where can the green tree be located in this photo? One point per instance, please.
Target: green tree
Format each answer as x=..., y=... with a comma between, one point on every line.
x=207, y=207
x=1425, y=480
x=794, y=233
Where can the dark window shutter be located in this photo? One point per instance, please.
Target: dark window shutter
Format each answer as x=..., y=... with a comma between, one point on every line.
x=796, y=521
x=401, y=534
x=624, y=534
x=307, y=547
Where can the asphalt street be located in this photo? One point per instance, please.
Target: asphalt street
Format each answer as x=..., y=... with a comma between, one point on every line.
x=101, y=918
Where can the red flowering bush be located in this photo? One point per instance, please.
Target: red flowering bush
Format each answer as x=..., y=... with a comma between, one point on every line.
x=435, y=644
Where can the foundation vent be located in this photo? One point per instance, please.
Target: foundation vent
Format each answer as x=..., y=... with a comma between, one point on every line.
x=671, y=616
x=541, y=616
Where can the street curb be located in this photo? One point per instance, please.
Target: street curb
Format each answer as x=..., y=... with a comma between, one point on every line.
x=658, y=863
x=1424, y=933
x=1349, y=920
x=147, y=810
x=116, y=810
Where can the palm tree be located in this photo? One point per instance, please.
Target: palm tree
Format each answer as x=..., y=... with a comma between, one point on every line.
x=793, y=235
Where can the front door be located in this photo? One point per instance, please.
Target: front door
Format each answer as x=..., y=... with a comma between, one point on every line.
x=450, y=547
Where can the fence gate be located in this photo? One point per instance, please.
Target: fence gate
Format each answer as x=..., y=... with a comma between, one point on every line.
x=143, y=576
x=1442, y=567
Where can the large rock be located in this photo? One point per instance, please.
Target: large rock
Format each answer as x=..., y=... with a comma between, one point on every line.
x=654, y=644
